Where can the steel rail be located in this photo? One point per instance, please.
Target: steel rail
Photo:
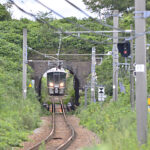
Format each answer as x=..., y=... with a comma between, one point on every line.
x=49, y=137
x=66, y=144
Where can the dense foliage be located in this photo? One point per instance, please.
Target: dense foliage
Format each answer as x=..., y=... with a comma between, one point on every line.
x=70, y=91
x=4, y=14
x=113, y=122
x=17, y=116
x=98, y=5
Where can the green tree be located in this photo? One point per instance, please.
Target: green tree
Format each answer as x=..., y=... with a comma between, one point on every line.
x=97, y=5
x=4, y=14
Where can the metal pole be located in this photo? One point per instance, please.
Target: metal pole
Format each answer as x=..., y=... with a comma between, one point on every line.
x=132, y=100
x=80, y=32
x=141, y=79
x=86, y=88
x=115, y=56
x=24, y=79
x=93, y=75
x=60, y=41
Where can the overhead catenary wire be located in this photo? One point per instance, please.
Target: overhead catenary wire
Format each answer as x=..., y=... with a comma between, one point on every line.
x=58, y=29
x=78, y=25
x=42, y=54
x=137, y=35
x=106, y=25
x=51, y=55
x=102, y=23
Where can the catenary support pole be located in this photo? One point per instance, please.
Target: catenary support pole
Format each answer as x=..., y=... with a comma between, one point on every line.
x=132, y=94
x=85, y=90
x=141, y=78
x=24, y=79
x=93, y=75
x=115, y=56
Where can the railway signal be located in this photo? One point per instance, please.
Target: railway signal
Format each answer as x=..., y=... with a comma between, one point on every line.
x=124, y=49
x=101, y=93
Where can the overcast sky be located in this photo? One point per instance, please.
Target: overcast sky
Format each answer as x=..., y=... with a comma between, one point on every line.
x=59, y=6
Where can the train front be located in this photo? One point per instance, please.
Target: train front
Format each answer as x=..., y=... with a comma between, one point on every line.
x=56, y=81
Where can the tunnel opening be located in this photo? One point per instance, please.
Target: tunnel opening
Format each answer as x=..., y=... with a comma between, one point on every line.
x=76, y=88
x=42, y=90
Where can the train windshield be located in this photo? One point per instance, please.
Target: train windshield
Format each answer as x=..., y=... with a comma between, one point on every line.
x=62, y=76
x=56, y=77
x=50, y=76
x=59, y=76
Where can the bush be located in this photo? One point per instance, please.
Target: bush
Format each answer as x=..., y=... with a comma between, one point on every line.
x=113, y=122
x=17, y=116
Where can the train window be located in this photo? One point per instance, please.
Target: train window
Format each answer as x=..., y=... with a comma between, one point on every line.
x=50, y=76
x=62, y=76
x=56, y=76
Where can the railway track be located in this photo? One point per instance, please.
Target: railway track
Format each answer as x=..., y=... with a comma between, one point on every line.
x=62, y=133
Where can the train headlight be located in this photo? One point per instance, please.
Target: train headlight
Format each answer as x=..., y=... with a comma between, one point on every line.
x=61, y=84
x=51, y=84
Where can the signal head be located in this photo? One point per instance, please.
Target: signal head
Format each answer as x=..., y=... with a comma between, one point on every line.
x=124, y=49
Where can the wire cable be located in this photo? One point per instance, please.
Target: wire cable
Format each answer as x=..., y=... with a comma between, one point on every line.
x=78, y=25
x=136, y=36
x=58, y=29
x=102, y=23
x=42, y=54
x=91, y=41
x=106, y=25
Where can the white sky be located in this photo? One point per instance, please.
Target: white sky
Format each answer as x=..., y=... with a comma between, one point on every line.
x=59, y=6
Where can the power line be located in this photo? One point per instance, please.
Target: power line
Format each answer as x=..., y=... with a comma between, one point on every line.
x=48, y=55
x=91, y=41
x=104, y=24
x=68, y=20
x=125, y=31
x=42, y=54
x=136, y=36
x=43, y=21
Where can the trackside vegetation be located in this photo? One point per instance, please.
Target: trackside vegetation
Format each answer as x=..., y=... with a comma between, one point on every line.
x=18, y=117
x=113, y=122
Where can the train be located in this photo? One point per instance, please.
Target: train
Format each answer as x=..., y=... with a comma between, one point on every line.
x=56, y=81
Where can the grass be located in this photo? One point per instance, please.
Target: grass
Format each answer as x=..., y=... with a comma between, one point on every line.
x=114, y=123
x=18, y=117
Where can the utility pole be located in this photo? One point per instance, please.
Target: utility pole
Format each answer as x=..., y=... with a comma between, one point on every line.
x=93, y=75
x=24, y=79
x=132, y=100
x=141, y=79
x=115, y=56
x=60, y=41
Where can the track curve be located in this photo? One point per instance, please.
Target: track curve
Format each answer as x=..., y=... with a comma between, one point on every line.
x=62, y=133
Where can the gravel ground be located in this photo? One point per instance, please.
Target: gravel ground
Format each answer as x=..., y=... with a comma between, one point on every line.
x=38, y=134
x=84, y=137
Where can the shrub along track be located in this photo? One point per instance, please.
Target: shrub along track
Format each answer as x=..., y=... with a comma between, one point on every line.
x=62, y=133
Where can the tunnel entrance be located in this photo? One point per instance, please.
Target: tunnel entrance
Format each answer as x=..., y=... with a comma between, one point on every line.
x=75, y=86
